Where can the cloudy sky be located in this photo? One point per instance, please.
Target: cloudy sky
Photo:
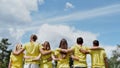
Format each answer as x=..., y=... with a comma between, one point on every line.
x=53, y=20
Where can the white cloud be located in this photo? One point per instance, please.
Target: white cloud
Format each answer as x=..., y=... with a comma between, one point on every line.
x=54, y=33
x=14, y=35
x=17, y=12
x=68, y=5
x=83, y=15
x=108, y=49
x=41, y=2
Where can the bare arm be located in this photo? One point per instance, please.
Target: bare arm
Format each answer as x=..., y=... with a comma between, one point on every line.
x=66, y=50
x=84, y=51
x=74, y=58
x=106, y=63
x=9, y=66
x=55, y=58
x=18, y=52
x=36, y=58
x=45, y=52
x=27, y=57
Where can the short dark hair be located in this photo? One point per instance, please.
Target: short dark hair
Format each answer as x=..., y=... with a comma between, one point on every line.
x=34, y=37
x=96, y=43
x=79, y=40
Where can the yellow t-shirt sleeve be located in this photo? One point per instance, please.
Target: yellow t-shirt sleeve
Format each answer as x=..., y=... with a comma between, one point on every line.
x=88, y=49
x=73, y=48
x=56, y=52
x=40, y=46
x=24, y=46
x=104, y=54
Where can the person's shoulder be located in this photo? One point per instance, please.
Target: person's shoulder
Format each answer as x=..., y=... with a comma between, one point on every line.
x=74, y=46
x=27, y=43
x=86, y=46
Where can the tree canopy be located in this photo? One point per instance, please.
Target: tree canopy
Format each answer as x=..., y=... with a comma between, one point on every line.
x=4, y=53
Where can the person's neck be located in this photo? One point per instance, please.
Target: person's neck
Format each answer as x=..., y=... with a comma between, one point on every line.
x=80, y=44
x=95, y=46
x=31, y=41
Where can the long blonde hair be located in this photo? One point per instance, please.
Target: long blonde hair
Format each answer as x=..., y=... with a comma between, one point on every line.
x=18, y=46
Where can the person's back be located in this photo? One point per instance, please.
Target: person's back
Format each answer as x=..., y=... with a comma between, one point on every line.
x=78, y=56
x=81, y=56
x=46, y=60
x=97, y=57
x=62, y=62
x=63, y=58
x=32, y=49
x=16, y=61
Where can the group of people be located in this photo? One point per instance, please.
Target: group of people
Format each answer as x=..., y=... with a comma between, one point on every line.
x=36, y=55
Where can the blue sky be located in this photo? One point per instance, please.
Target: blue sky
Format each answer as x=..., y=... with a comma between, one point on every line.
x=53, y=20
x=106, y=25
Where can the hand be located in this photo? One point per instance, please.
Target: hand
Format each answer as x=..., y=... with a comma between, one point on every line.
x=82, y=50
x=49, y=59
x=76, y=58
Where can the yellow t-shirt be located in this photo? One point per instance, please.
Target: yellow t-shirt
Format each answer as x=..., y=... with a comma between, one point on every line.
x=82, y=57
x=97, y=57
x=16, y=60
x=32, y=49
x=63, y=62
x=43, y=61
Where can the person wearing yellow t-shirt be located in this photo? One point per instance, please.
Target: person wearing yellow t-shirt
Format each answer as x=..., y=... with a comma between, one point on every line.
x=46, y=60
x=61, y=57
x=32, y=49
x=16, y=61
x=98, y=56
x=79, y=53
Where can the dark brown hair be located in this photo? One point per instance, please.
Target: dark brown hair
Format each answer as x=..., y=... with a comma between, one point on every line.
x=96, y=43
x=79, y=40
x=63, y=45
x=46, y=45
x=34, y=37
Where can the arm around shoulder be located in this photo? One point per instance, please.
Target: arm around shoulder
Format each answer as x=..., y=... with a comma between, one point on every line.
x=18, y=52
x=45, y=52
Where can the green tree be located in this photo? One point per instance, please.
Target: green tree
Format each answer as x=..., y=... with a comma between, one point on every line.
x=4, y=53
x=114, y=61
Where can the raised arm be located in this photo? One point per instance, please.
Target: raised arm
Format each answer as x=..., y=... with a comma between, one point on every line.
x=66, y=50
x=45, y=52
x=18, y=52
x=84, y=51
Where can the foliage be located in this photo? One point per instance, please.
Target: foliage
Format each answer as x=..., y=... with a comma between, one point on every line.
x=4, y=53
x=114, y=61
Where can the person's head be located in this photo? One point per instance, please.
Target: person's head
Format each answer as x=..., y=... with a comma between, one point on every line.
x=46, y=45
x=33, y=37
x=95, y=43
x=18, y=47
x=79, y=40
x=63, y=44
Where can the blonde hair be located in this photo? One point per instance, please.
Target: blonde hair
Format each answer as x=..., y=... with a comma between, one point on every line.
x=18, y=46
